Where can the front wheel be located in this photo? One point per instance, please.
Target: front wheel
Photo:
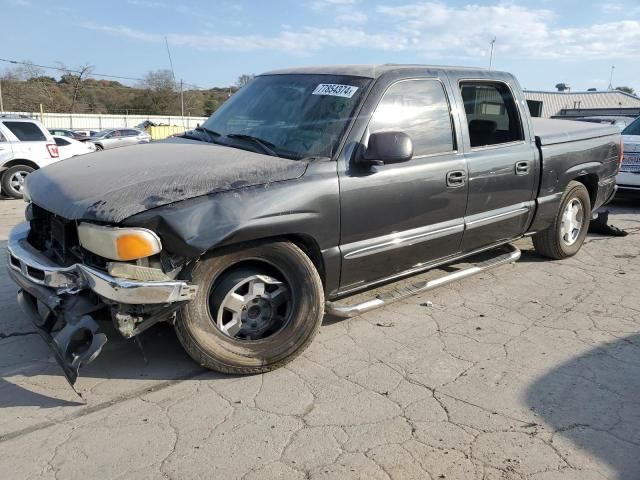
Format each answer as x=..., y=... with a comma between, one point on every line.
x=566, y=234
x=256, y=308
x=13, y=180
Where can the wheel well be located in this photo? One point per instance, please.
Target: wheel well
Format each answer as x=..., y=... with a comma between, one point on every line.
x=27, y=163
x=590, y=181
x=309, y=246
x=304, y=242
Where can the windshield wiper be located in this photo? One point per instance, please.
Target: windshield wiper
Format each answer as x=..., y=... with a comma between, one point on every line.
x=212, y=135
x=266, y=146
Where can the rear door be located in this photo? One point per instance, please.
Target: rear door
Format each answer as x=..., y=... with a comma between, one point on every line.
x=501, y=160
x=398, y=218
x=28, y=140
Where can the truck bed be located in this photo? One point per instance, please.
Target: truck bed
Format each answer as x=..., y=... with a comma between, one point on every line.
x=550, y=132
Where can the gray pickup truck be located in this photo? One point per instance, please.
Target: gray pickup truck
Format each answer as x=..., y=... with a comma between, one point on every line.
x=305, y=187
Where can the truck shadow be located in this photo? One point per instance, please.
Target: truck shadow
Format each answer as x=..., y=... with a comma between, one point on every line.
x=591, y=402
x=38, y=381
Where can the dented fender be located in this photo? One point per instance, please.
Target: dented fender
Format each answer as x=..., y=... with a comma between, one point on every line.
x=306, y=207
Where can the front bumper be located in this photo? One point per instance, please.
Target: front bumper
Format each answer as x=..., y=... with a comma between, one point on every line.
x=68, y=325
x=628, y=180
x=38, y=269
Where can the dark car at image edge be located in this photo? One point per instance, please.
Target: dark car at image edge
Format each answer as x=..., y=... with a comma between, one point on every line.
x=306, y=186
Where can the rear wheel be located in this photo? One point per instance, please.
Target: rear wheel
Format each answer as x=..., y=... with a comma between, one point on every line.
x=99, y=147
x=256, y=308
x=13, y=180
x=566, y=234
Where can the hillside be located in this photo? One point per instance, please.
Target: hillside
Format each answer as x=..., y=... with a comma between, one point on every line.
x=23, y=90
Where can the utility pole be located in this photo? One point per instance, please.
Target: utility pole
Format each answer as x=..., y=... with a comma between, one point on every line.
x=182, y=101
x=611, y=77
x=491, y=53
x=1, y=102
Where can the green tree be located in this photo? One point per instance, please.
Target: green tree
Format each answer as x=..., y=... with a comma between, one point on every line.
x=211, y=104
x=625, y=89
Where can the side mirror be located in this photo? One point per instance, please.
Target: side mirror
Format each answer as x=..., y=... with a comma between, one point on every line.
x=386, y=148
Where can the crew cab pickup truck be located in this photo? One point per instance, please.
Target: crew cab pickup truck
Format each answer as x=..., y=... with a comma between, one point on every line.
x=307, y=186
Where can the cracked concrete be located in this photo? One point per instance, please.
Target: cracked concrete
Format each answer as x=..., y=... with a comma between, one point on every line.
x=530, y=371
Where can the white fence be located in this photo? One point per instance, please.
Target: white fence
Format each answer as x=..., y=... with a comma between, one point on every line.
x=98, y=121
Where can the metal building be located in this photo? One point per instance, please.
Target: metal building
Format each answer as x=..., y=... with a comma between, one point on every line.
x=612, y=102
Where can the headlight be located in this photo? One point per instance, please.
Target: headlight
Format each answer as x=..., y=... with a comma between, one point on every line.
x=118, y=243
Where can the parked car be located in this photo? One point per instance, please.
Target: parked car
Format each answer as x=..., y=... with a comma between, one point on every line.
x=620, y=122
x=629, y=176
x=63, y=132
x=113, y=138
x=306, y=186
x=85, y=134
x=25, y=146
x=68, y=147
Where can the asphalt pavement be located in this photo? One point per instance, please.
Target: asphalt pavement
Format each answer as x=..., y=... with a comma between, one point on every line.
x=529, y=371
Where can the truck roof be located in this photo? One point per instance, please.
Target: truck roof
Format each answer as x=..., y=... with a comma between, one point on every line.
x=375, y=70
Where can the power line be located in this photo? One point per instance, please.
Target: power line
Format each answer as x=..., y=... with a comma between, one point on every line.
x=69, y=70
x=61, y=69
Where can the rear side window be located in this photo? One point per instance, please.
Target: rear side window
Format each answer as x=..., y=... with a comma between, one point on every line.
x=420, y=109
x=61, y=142
x=2, y=137
x=26, y=131
x=132, y=133
x=492, y=116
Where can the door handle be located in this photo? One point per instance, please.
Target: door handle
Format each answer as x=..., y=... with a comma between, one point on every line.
x=522, y=168
x=456, y=178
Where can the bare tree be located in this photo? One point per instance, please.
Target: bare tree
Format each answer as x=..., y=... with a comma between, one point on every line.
x=74, y=78
x=244, y=79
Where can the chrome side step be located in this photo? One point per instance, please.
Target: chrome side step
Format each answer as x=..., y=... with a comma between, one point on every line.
x=507, y=254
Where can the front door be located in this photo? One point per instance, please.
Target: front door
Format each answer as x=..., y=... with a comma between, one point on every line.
x=397, y=218
x=501, y=162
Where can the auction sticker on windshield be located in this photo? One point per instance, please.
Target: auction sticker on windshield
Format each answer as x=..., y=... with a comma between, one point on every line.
x=335, y=90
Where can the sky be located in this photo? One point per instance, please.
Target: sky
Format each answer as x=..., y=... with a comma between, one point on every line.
x=212, y=42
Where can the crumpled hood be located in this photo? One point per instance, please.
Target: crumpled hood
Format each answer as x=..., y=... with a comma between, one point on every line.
x=112, y=185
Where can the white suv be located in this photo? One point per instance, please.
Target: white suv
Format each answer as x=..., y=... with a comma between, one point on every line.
x=25, y=146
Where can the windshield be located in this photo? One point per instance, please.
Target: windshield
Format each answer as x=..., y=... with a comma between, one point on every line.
x=633, y=128
x=298, y=115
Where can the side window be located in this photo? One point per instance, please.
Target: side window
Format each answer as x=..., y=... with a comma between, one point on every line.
x=492, y=116
x=61, y=142
x=420, y=109
x=26, y=131
x=2, y=137
x=132, y=133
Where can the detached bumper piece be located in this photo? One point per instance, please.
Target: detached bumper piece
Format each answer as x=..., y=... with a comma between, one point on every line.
x=71, y=295
x=77, y=344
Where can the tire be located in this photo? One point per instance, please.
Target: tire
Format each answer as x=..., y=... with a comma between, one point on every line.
x=13, y=180
x=200, y=325
x=99, y=147
x=557, y=242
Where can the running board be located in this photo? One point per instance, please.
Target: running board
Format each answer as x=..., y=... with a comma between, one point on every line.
x=510, y=253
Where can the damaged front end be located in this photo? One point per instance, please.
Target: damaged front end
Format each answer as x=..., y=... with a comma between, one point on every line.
x=64, y=303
